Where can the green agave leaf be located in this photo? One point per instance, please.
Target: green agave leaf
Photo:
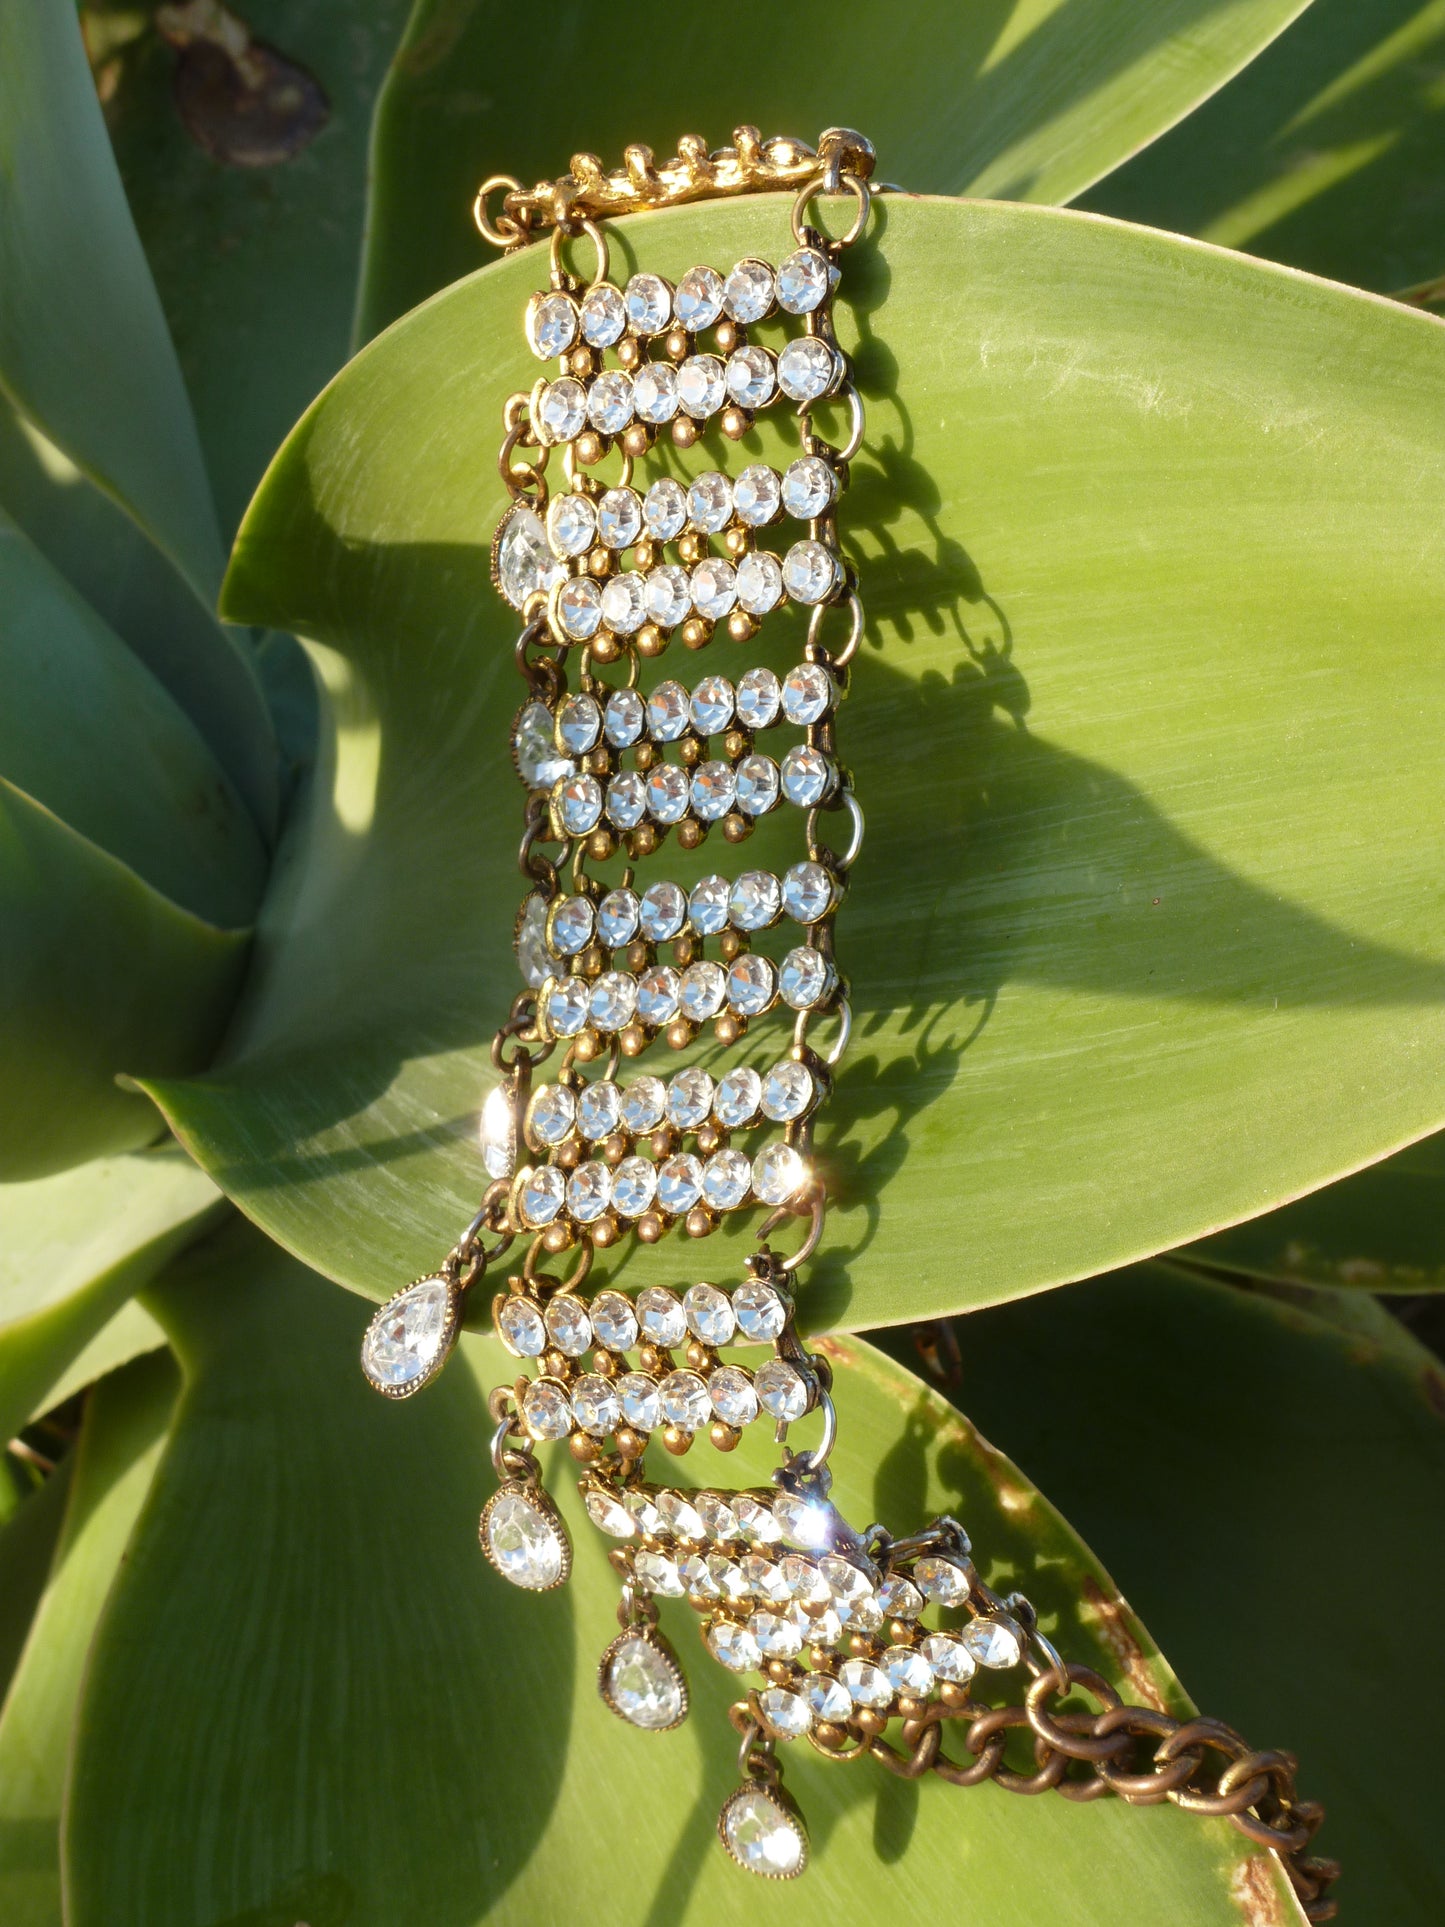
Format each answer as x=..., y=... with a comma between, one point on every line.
x=73, y=1249
x=1265, y=1493
x=128, y=1334
x=1328, y=152
x=85, y=354
x=324, y=1541
x=88, y=731
x=117, y=1455
x=99, y=974
x=1017, y=99
x=27, y=1545
x=1102, y=912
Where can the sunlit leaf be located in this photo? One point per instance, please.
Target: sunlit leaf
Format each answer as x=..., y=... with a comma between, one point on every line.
x=129, y=1333
x=27, y=1543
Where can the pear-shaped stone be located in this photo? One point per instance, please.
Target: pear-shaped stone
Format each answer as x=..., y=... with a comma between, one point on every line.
x=408, y=1340
x=642, y=1682
x=762, y=1835
x=525, y=1539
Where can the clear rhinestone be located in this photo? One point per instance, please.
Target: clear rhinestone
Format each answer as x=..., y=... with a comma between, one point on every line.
x=643, y=1684
x=613, y=1002
x=710, y=502
x=641, y=1503
x=942, y=1580
x=804, y=280
x=908, y=1671
x=810, y=572
x=664, y=509
x=711, y=707
x=604, y=316
x=755, y=900
x=644, y=1104
x=760, y=1311
x=657, y=995
x=804, y=1581
x=667, y=716
x=809, y=486
x=698, y=300
x=534, y=749
x=641, y=1406
x=579, y=724
x=757, y=778
x=565, y=1005
x=617, y=918
x=865, y=1683
x=748, y=291
x=739, y=1093
x=606, y=1514
x=613, y=1319
x=807, y=368
x=571, y=524
x=762, y=1836
x=624, y=604
x=659, y=1313
x=406, y=1339
x=578, y=803
x=599, y=1110
x=806, y=775
x=777, y=1634
x=685, y=1402
x=728, y=1577
x=806, y=978
x=523, y=1542
x=626, y=800
x=562, y=412
x=664, y=912
x=595, y=1405
x=807, y=892
x=689, y=1099
x=758, y=699
x=819, y=1626
x=649, y=304
x=778, y=1173
x=667, y=793
x=579, y=607
x=520, y=1328
x=634, y=1187
x=573, y=921
x=755, y=1517
x=669, y=595
x=709, y=1314
x=525, y=564
x=702, y=991
x=654, y=392
x=589, y=1191
x=787, y=1093
x=701, y=386
x=846, y=1582
x=752, y=984
x=626, y=717
x=805, y=1521
x=568, y=1325
x=750, y=377
x=551, y=325
x=679, y=1184
x=733, y=1397
x=829, y=1698
x=499, y=1133
x=735, y=1647
x=727, y=1179
x=714, y=790
x=949, y=1657
x=757, y=495
x=864, y=1615
x=714, y=587
x=782, y=1390
x=994, y=1641
x=543, y=1194
x=609, y=402
x=718, y=1516
x=657, y=1573
x=619, y=518
x=808, y=693
x=681, y=1516
x=696, y=1577
x=899, y=1597
x=786, y=1713
x=546, y=1409
x=759, y=582
x=707, y=906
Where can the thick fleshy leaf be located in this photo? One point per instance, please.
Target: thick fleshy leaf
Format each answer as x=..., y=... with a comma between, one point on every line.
x=1017, y=99
x=83, y=345
x=128, y=1334
x=1124, y=968
x=99, y=975
x=73, y=1249
x=256, y=264
x=87, y=730
x=1265, y=1485
x=117, y=1454
x=1328, y=152
x=323, y=1542
x=27, y=1544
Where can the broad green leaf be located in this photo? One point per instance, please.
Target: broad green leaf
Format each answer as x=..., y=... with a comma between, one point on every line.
x=83, y=345
x=88, y=731
x=1265, y=1487
x=256, y=266
x=1144, y=891
x=1328, y=152
x=99, y=975
x=395, y=1735
x=128, y=1334
x=73, y=1249
x=1016, y=99
x=117, y=1454
x=1383, y=1228
x=27, y=1544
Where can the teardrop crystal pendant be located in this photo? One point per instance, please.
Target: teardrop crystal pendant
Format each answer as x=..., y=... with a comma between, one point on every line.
x=763, y=1832
x=410, y=1338
x=640, y=1678
x=523, y=1536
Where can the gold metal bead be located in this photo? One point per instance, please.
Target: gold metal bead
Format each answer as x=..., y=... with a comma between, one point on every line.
x=630, y=1445
x=556, y=1364
x=645, y=755
x=606, y=1231
x=608, y=1364
x=557, y=1237
x=689, y=751
x=618, y=1557
x=860, y=1645
x=600, y=845
x=590, y=448
x=820, y=1658
x=643, y=840
x=585, y=1450
x=738, y=541
x=830, y=1737
x=728, y=335
x=675, y=344
x=736, y=743
x=729, y=1027
x=700, y=1222
x=725, y=1438
x=600, y=561
x=614, y=1148
x=691, y=546
x=910, y=1708
x=685, y=431
x=696, y=632
x=649, y=640
x=709, y=1139
x=698, y=1356
x=636, y=440
x=690, y=834
x=684, y=951
x=592, y=961
x=735, y=422
x=586, y=1048
x=680, y=1033
x=664, y=1141
x=638, y=955
x=741, y=626
x=569, y=1155
x=676, y=1440
x=729, y=944
x=651, y=1359
x=735, y=828
x=580, y=362
x=605, y=646
x=869, y=1720
x=633, y=1040
x=629, y=352
x=780, y=1672
x=650, y=1228
x=645, y=554
x=597, y=761
x=952, y=1692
